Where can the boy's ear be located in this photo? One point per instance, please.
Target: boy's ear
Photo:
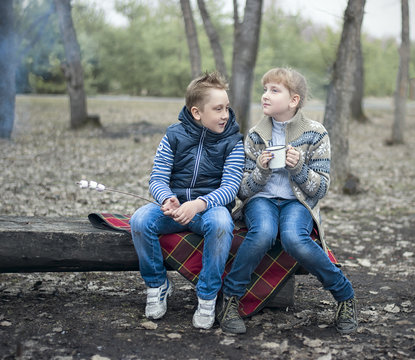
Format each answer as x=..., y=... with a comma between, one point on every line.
x=295, y=99
x=195, y=112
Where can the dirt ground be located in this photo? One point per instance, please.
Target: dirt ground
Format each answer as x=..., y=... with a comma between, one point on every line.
x=101, y=315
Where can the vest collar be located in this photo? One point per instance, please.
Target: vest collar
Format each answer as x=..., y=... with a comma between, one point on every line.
x=190, y=125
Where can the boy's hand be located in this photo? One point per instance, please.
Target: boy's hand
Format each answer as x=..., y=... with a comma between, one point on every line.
x=170, y=205
x=293, y=156
x=265, y=158
x=187, y=211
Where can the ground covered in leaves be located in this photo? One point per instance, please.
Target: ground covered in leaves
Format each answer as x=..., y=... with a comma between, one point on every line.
x=100, y=315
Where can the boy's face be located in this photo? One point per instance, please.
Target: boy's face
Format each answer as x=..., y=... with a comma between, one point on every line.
x=215, y=113
x=277, y=101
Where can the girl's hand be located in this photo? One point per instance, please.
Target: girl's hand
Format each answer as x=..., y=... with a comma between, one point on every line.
x=265, y=158
x=293, y=157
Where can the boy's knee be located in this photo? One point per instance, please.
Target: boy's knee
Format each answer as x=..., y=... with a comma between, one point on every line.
x=137, y=227
x=225, y=223
x=222, y=219
x=139, y=221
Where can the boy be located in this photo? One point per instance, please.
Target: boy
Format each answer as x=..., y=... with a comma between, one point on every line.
x=285, y=201
x=196, y=175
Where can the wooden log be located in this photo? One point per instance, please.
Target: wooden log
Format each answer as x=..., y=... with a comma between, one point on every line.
x=32, y=244
x=284, y=297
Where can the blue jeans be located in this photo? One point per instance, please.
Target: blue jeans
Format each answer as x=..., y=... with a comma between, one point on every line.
x=265, y=218
x=215, y=224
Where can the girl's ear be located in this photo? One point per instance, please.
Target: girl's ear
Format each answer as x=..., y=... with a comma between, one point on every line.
x=295, y=99
x=195, y=113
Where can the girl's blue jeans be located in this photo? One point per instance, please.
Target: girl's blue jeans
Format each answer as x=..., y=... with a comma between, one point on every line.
x=265, y=218
x=215, y=224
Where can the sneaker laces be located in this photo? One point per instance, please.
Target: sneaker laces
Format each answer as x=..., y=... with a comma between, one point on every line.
x=346, y=310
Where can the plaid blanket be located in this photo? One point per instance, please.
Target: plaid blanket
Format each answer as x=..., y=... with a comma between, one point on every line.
x=183, y=253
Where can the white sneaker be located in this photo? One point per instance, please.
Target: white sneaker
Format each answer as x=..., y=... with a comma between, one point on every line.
x=204, y=316
x=156, y=305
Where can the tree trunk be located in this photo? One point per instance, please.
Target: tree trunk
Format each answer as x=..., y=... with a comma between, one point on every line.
x=337, y=111
x=359, y=82
x=72, y=68
x=191, y=35
x=7, y=69
x=245, y=48
x=402, y=80
x=213, y=39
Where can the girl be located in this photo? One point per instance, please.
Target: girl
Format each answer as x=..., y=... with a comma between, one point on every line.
x=285, y=201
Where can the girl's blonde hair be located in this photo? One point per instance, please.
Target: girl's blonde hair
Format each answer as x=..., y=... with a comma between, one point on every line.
x=291, y=79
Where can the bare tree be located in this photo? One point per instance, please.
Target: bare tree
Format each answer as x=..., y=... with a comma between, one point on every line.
x=7, y=69
x=73, y=68
x=402, y=80
x=359, y=82
x=191, y=35
x=337, y=111
x=245, y=49
x=213, y=39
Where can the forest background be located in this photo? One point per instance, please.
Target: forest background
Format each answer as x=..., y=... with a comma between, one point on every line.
x=91, y=315
x=149, y=56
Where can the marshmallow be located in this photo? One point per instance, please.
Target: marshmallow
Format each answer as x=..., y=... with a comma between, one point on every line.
x=100, y=187
x=93, y=184
x=83, y=184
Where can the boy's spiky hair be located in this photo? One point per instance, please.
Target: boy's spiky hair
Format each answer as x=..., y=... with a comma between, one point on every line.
x=197, y=89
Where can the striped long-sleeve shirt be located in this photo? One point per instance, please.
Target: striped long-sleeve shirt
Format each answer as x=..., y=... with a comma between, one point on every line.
x=225, y=194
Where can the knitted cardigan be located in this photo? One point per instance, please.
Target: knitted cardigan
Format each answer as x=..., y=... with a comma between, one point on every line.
x=309, y=179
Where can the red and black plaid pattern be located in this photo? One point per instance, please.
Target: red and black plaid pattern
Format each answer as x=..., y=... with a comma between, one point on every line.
x=183, y=252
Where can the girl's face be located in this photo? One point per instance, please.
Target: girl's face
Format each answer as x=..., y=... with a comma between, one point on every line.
x=215, y=113
x=277, y=102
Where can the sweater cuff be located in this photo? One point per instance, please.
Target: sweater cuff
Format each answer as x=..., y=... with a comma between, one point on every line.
x=209, y=204
x=164, y=197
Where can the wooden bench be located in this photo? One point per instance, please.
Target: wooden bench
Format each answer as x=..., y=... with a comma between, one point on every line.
x=42, y=244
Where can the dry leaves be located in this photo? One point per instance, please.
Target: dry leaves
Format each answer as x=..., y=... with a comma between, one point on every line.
x=372, y=234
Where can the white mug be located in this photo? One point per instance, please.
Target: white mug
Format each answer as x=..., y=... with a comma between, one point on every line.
x=278, y=161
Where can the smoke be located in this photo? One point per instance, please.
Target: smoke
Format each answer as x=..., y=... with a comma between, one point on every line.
x=37, y=41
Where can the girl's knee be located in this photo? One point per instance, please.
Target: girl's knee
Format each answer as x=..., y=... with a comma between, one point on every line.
x=294, y=243
x=264, y=229
x=261, y=236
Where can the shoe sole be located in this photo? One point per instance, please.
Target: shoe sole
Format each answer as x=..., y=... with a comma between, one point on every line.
x=346, y=332
x=201, y=327
x=233, y=331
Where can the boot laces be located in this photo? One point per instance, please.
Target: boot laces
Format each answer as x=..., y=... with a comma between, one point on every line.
x=346, y=310
x=231, y=309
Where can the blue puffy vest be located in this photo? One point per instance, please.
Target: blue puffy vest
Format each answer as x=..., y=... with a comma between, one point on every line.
x=199, y=155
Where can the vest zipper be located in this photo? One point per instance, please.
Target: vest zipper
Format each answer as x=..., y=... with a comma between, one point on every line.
x=197, y=163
